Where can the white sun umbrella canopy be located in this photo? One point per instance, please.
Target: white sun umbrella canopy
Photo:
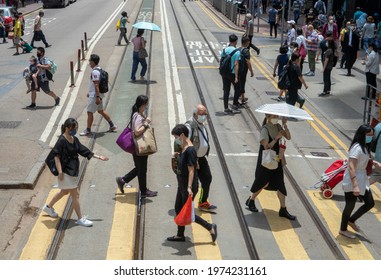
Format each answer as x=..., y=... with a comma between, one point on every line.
x=284, y=110
x=146, y=25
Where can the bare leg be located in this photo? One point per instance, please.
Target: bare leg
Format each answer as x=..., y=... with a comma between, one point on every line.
x=33, y=96
x=254, y=195
x=75, y=197
x=52, y=94
x=57, y=197
x=105, y=115
x=282, y=199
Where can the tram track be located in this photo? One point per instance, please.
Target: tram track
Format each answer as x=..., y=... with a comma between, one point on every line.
x=250, y=243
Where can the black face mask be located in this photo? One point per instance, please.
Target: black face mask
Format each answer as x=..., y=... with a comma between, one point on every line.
x=39, y=55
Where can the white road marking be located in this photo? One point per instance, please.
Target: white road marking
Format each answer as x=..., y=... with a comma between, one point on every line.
x=74, y=93
x=287, y=155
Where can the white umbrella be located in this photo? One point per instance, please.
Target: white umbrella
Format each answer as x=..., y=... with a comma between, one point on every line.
x=284, y=110
x=146, y=25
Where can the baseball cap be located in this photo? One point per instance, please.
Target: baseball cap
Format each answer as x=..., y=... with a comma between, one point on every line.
x=291, y=21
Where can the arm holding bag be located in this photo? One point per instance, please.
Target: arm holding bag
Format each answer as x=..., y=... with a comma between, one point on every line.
x=186, y=215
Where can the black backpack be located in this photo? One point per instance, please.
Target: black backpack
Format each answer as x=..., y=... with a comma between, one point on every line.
x=103, y=80
x=284, y=80
x=225, y=63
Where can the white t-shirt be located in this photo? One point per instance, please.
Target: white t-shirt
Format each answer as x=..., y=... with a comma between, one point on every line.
x=362, y=179
x=95, y=76
x=368, y=30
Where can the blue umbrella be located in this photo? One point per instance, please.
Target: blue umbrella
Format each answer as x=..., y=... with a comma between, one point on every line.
x=146, y=25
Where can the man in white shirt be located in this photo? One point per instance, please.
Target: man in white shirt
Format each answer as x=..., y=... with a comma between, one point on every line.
x=372, y=69
x=94, y=102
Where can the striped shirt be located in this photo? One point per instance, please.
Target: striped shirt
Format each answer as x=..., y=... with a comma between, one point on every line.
x=313, y=46
x=297, y=5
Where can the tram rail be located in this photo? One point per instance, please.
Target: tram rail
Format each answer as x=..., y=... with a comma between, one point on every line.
x=250, y=243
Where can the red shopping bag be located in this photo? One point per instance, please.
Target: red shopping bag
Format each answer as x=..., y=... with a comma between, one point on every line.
x=186, y=215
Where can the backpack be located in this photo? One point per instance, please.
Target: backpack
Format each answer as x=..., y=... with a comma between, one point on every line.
x=225, y=63
x=284, y=80
x=373, y=144
x=243, y=68
x=103, y=80
x=52, y=71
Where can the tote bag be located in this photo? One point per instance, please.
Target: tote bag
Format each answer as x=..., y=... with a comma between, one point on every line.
x=186, y=215
x=125, y=141
x=269, y=159
x=145, y=144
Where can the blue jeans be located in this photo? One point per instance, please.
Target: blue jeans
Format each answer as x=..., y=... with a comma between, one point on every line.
x=135, y=63
x=2, y=33
x=296, y=15
x=367, y=41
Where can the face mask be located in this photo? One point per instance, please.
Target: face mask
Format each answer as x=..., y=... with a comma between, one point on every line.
x=178, y=141
x=350, y=27
x=331, y=21
x=368, y=139
x=73, y=132
x=201, y=118
x=274, y=121
x=39, y=55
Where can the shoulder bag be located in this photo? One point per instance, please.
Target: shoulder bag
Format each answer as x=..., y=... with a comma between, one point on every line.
x=142, y=52
x=145, y=144
x=269, y=158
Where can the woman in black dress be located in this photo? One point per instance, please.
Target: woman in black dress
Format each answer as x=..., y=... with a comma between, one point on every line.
x=271, y=132
x=187, y=181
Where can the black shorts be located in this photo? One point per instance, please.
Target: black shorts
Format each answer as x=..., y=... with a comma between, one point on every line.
x=41, y=85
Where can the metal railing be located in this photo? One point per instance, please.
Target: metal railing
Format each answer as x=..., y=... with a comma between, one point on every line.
x=372, y=101
x=226, y=8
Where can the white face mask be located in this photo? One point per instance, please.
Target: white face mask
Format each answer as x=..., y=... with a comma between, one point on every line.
x=331, y=22
x=201, y=118
x=274, y=121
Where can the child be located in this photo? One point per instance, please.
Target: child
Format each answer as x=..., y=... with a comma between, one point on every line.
x=280, y=62
x=30, y=74
x=25, y=46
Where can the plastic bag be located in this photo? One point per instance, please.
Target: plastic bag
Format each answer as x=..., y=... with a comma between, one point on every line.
x=186, y=215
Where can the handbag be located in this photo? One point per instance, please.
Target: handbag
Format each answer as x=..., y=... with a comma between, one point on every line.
x=125, y=140
x=302, y=51
x=145, y=144
x=269, y=159
x=186, y=215
x=369, y=167
x=174, y=165
x=143, y=53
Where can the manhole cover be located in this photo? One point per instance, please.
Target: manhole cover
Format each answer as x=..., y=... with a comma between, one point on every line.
x=261, y=78
x=10, y=124
x=319, y=154
x=272, y=92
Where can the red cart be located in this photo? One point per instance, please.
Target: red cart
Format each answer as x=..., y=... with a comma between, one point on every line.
x=332, y=176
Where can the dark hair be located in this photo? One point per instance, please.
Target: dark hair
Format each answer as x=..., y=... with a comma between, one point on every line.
x=373, y=45
x=331, y=44
x=140, y=100
x=294, y=56
x=283, y=49
x=299, y=31
x=33, y=58
x=140, y=32
x=180, y=129
x=233, y=38
x=360, y=137
x=328, y=33
x=94, y=58
x=124, y=14
x=70, y=123
x=295, y=44
x=245, y=40
x=41, y=13
x=41, y=50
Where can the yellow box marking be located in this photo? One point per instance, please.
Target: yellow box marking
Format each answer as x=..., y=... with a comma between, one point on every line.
x=204, y=247
x=328, y=209
x=122, y=234
x=43, y=232
x=283, y=232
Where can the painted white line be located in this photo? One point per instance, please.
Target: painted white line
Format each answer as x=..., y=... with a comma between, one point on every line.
x=287, y=155
x=53, y=118
x=168, y=81
x=179, y=96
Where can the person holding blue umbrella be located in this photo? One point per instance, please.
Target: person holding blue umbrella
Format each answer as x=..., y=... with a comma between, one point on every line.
x=139, y=43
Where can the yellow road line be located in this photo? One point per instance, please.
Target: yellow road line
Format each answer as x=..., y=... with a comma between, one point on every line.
x=121, y=243
x=203, y=246
x=43, y=232
x=282, y=229
x=328, y=209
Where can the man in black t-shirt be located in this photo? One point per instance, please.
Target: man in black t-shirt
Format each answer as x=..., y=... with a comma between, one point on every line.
x=296, y=79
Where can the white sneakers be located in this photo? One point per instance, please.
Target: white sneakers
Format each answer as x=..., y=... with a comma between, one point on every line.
x=84, y=222
x=50, y=211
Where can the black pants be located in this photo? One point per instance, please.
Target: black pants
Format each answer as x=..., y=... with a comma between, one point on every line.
x=227, y=82
x=274, y=26
x=252, y=45
x=140, y=170
x=327, y=80
x=350, y=202
x=181, y=198
x=371, y=79
x=41, y=36
x=205, y=178
x=350, y=60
